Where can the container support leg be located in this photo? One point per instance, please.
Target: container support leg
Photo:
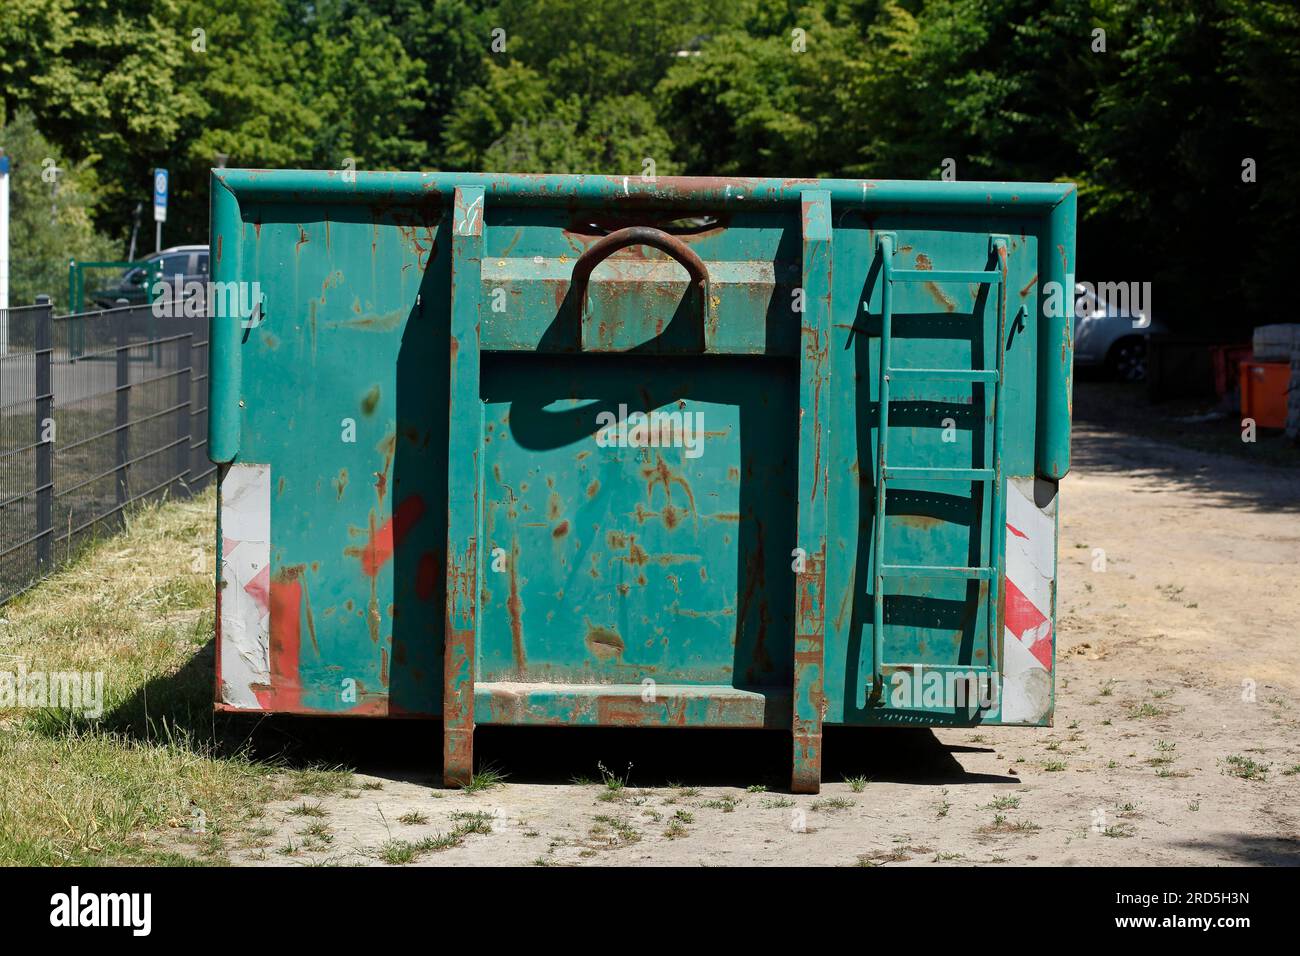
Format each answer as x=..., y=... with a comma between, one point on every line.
x=814, y=451
x=464, y=490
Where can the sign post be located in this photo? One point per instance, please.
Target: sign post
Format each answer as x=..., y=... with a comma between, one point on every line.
x=4, y=253
x=159, y=205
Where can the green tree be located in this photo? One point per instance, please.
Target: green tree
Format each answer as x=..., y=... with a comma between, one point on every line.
x=447, y=40
x=100, y=78
x=51, y=214
x=514, y=124
x=1263, y=52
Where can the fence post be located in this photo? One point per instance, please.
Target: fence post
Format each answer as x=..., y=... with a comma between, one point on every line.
x=45, y=438
x=122, y=416
x=183, y=389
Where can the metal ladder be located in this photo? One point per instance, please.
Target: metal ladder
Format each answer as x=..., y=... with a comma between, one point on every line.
x=991, y=475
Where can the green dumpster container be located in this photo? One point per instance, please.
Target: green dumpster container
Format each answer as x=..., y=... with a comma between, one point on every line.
x=590, y=450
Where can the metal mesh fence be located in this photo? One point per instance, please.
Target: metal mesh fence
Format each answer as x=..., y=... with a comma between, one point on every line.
x=98, y=411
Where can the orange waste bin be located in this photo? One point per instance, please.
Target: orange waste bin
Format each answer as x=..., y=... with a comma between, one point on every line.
x=1263, y=392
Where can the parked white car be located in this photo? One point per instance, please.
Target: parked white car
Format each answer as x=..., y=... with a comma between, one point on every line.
x=1113, y=337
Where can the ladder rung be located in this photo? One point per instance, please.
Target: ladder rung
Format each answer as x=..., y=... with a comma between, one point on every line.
x=935, y=571
x=942, y=375
x=974, y=670
x=940, y=474
x=945, y=275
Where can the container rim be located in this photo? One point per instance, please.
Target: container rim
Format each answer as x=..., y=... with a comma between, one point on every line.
x=344, y=186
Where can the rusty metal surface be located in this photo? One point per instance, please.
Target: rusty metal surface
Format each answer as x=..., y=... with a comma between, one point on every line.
x=472, y=513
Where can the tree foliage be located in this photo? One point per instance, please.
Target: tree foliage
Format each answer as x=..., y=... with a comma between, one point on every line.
x=1154, y=122
x=49, y=213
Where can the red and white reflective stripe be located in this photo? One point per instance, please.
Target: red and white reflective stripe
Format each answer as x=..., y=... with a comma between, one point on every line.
x=1028, y=604
x=245, y=646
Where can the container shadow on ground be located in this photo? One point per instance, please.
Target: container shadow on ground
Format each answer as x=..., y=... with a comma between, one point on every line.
x=1245, y=848
x=1101, y=445
x=646, y=757
x=410, y=750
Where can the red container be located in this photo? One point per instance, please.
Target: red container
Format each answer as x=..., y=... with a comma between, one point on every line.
x=1227, y=366
x=1263, y=392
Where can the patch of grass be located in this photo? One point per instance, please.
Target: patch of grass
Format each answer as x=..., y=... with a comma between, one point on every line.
x=402, y=852
x=832, y=804
x=1001, y=824
x=1118, y=830
x=675, y=830
x=756, y=788
x=413, y=818
x=1245, y=768
x=1145, y=709
x=306, y=809
x=614, y=783
x=471, y=821
x=1003, y=802
x=613, y=831
x=1054, y=766
x=857, y=784
x=120, y=789
x=726, y=804
x=777, y=803
x=1292, y=770
x=900, y=854
x=684, y=816
x=398, y=852
x=484, y=780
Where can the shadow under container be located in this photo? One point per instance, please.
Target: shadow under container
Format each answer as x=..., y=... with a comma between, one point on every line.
x=587, y=450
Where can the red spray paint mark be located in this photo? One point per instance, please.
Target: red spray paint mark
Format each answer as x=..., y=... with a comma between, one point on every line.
x=1029, y=624
x=285, y=692
x=1017, y=532
x=380, y=549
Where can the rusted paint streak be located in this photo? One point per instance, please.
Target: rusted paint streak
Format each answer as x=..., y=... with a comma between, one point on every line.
x=515, y=608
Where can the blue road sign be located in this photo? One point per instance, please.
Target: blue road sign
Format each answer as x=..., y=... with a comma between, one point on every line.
x=160, y=195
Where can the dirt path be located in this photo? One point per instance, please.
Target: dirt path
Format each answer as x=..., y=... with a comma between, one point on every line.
x=1178, y=711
